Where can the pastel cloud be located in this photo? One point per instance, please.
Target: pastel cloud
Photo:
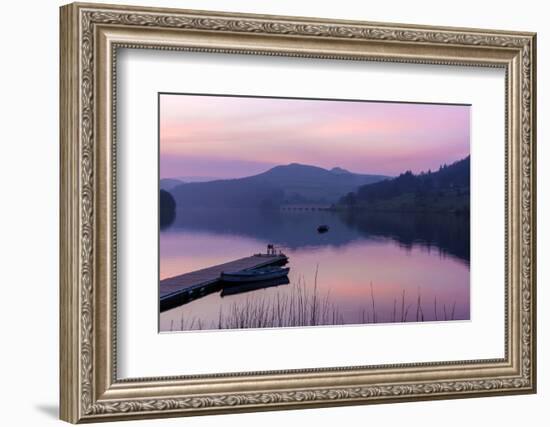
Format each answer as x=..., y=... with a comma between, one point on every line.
x=236, y=136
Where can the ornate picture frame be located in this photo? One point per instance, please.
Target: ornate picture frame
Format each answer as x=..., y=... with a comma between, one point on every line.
x=90, y=37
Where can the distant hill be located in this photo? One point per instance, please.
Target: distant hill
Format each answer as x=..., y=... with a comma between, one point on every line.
x=339, y=171
x=169, y=183
x=446, y=190
x=288, y=184
x=197, y=178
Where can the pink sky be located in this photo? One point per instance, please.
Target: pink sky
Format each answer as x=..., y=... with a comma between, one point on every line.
x=230, y=137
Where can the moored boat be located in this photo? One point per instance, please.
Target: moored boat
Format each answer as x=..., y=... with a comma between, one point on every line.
x=254, y=275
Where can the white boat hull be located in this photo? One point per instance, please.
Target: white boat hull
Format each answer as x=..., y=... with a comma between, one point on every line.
x=254, y=276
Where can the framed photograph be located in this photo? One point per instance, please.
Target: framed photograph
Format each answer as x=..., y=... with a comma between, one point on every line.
x=255, y=237
x=266, y=212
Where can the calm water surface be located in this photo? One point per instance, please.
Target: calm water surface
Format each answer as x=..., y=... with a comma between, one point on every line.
x=369, y=267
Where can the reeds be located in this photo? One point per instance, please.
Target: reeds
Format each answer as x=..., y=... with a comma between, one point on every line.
x=304, y=306
x=295, y=308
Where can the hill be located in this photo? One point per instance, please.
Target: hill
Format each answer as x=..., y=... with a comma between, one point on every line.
x=446, y=190
x=169, y=183
x=167, y=208
x=288, y=184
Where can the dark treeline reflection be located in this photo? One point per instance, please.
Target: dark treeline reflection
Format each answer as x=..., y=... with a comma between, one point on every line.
x=447, y=232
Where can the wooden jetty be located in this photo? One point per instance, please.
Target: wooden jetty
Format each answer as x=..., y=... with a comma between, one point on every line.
x=177, y=290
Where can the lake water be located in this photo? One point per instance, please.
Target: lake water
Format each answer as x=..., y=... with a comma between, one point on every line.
x=366, y=268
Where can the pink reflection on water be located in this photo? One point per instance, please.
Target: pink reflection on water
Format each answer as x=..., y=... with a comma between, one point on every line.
x=348, y=272
x=185, y=252
x=435, y=286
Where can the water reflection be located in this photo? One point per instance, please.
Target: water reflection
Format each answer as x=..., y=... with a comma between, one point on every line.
x=254, y=286
x=366, y=268
x=448, y=233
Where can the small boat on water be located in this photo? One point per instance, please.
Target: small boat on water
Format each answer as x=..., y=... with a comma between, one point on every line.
x=255, y=275
x=322, y=228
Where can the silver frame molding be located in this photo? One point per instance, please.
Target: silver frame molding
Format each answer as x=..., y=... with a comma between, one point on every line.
x=90, y=37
